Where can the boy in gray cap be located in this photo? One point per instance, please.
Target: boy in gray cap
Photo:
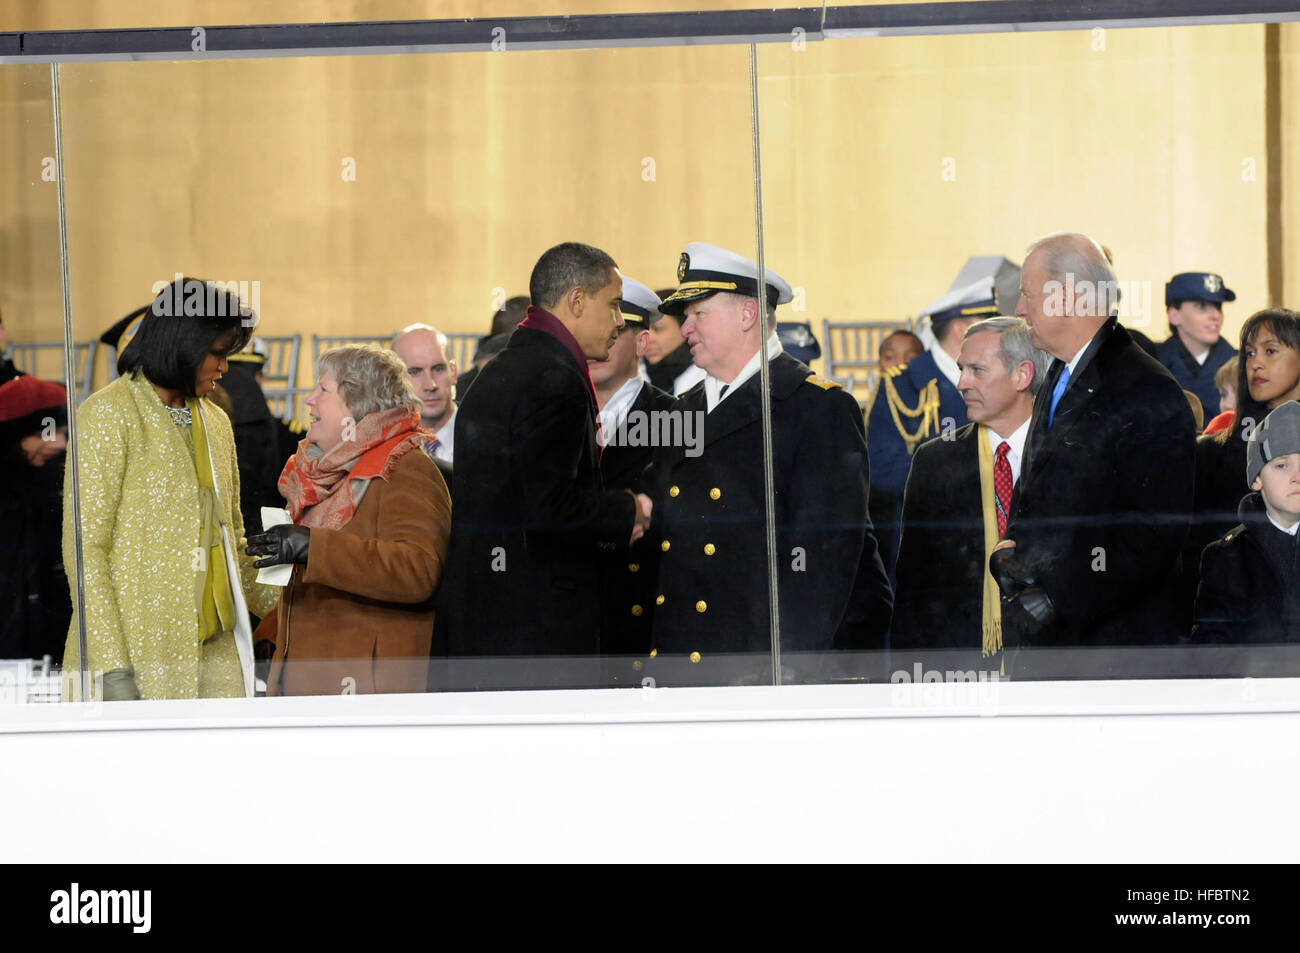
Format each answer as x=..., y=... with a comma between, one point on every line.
x=1250, y=579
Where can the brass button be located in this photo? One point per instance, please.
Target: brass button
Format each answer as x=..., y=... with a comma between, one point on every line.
x=701, y=606
x=665, y=545
x=637, y=665
x=674, y=490
x=695, y=658
x=715, y=493
x=654, y=652
x=709, y=549
x=659, y=599
x=637, y=610
x=633, y=567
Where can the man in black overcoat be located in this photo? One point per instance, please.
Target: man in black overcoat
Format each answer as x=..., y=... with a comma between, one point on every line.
x=532, y=517
x=1105, y=496
x=940, y=598
x=711, y=613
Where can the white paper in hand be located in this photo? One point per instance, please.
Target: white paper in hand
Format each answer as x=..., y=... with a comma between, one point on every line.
x=274, y=575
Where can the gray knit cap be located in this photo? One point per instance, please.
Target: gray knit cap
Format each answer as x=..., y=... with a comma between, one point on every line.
x=1279, y=434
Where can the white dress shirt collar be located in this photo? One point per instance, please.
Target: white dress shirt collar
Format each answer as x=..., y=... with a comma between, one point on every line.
x=615, y=411
x=947, y=366
x=1074, y=362
x=446, y=435
x=1016, y=446
x=713, y=387
x=1290, y=532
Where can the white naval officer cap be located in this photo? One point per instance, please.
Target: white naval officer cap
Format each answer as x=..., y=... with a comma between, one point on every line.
x=706, y=269
x=640, y=305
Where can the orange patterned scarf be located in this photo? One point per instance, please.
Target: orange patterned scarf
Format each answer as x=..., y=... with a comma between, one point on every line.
x=324, y=489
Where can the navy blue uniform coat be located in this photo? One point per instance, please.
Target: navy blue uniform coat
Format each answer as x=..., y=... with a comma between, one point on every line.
x=713, y=572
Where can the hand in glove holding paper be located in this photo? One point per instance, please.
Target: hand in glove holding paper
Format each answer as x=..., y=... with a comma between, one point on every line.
x=280, y=545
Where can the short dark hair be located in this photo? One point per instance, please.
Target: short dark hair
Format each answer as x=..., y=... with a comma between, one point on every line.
x=507, y=317
x=188, y=319
x=568, y=265
x=1285, y=325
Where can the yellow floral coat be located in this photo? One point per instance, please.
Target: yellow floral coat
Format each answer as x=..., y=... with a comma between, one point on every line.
x=140, y=538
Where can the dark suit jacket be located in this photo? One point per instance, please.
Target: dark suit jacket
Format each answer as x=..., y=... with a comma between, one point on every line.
x=939, y=598
x=1104, y=502
x=712, y=523
x=531, y=516
x=629, y=575
x=1250, y=585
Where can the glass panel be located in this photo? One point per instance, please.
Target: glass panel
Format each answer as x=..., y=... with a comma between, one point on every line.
x=34, y=596
x=343, y=199
x=904, y=180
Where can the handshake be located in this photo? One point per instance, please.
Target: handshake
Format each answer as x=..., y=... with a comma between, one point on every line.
x=644, y=506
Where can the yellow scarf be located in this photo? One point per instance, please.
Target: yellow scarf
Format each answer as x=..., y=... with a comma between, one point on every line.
x=217, y=604
x=992, y=610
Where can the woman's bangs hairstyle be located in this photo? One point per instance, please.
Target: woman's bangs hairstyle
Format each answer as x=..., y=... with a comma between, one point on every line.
x=1280, y=323
x=188, y=320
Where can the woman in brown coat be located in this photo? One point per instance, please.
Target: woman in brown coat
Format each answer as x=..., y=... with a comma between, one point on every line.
x=371, y=520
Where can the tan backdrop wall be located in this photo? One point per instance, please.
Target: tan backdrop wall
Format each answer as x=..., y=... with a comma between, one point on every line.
x=886, y=163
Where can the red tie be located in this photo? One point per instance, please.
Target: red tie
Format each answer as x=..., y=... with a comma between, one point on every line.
x=1002, y=485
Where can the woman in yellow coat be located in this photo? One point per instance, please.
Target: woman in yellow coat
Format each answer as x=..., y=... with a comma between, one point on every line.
x=167, y=582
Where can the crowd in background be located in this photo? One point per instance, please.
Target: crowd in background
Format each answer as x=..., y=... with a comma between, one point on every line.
x=1047, y=495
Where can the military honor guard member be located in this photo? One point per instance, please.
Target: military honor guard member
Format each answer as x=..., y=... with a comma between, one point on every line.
x=631, y=422
x=919, y=400
x=947, y=609
x=712, y=601
x=1195, y=349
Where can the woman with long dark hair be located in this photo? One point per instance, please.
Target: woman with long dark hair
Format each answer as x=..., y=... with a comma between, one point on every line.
x=167, y=584
x=1268, y=375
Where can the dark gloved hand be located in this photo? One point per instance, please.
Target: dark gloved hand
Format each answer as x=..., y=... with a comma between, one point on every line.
x=280, y=545
x=1019, y=585
x=1038, y=604
x=119, y=686
x=1009, y=574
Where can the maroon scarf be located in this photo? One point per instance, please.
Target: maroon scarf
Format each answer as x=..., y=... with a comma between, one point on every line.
x=539, y=319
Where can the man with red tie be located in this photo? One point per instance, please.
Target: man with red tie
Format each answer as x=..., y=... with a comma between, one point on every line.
x=947, y=611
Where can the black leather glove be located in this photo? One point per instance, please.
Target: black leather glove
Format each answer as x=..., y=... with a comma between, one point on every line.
x=1019, y=585
x=1009, y=574
x=280, y=545
x=119, y=686
x=1038, y=604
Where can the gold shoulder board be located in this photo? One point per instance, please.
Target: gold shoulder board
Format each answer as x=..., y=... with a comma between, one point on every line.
x=821, y=382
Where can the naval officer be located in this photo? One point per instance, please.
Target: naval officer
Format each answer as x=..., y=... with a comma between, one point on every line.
x=1195, y=349
x=919, y=400
x=712, y=600
x=632, y=414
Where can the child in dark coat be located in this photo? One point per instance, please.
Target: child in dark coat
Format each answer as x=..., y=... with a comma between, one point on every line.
x=1250, y=579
